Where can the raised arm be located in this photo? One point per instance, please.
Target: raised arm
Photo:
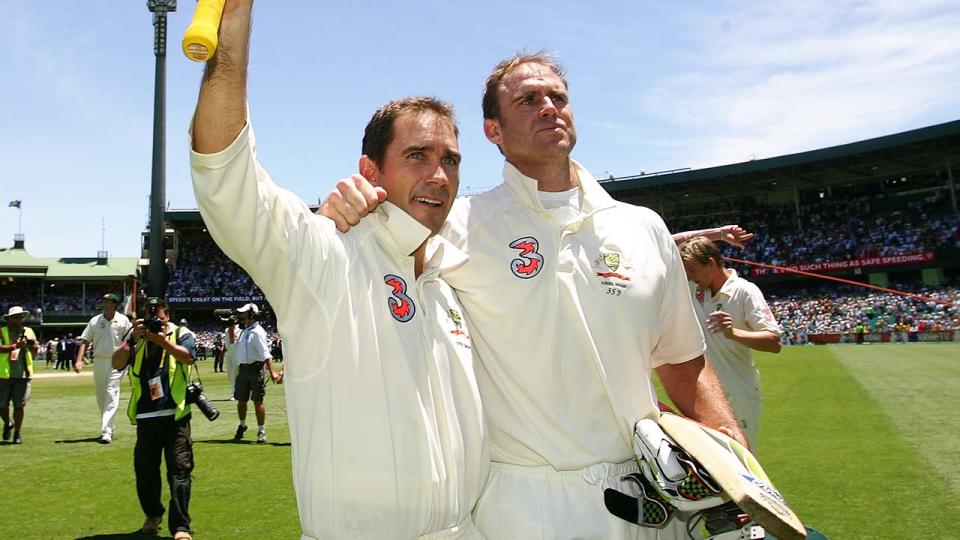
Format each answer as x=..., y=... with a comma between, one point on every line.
x=734, y=235
x=221, y=107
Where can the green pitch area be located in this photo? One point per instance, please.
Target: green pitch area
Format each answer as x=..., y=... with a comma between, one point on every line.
x=861, y=440
x=62, y=484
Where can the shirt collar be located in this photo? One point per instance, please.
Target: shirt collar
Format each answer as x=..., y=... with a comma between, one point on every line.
x=524, y=188
x=397, y=230
x=728, y=284
x=402, y=234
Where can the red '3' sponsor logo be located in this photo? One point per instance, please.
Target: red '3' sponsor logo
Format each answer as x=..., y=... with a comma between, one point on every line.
x=529, y=263
x=401, y=306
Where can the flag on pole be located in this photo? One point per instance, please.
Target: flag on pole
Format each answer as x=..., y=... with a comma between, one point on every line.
x=15, y=203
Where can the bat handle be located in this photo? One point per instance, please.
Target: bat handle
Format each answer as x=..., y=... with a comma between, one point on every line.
x=200, y=39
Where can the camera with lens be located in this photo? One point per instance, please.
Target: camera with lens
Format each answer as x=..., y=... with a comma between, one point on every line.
x=195, y=396
x=153, y=323
x=226, y=315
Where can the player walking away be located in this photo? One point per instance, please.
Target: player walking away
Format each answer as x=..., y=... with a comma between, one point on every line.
x=231, y=333
x=18, y=347
x=253, y=354
x=105, y=332
x=736, y=320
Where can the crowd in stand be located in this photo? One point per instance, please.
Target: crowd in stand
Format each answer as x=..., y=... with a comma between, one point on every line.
x=63, y=298
x=827, y=230
x=836, y=230
x=203, y=270
x=847, y=309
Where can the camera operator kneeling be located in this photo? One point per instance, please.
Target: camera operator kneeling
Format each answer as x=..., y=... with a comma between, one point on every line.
x=161, y=354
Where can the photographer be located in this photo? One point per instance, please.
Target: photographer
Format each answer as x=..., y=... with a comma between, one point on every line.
x=162, y=355
x=18, y=346
x=252, y=354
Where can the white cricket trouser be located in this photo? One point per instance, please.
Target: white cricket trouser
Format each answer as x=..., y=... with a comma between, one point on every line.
x=107, y=383
x=464, y=531
x=232, y=369
x=747, y=410
x=543, y=503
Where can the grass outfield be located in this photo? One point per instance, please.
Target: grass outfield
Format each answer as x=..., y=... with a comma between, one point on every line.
x=62, y=484
x=860, y=439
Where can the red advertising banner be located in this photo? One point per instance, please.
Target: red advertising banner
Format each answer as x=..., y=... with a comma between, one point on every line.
x=833, y=266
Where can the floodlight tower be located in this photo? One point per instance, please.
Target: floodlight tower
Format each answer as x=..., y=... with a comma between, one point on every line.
x=157, y=273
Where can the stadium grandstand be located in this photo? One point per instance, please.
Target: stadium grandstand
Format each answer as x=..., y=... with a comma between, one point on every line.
x=61, y=294
x=881, y=212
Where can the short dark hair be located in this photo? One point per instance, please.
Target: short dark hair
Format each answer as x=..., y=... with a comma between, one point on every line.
x=491, y=92
x=379, y=131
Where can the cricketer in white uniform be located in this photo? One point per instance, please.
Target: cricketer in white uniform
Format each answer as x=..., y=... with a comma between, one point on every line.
x=388, y=437
x=735, y=319
x=105, y=332
x=573, y=300
x=230, y=355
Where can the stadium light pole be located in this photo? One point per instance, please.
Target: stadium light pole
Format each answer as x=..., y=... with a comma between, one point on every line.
x=157, y=271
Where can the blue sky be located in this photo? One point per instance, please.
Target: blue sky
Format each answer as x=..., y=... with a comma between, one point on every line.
x=654, y=86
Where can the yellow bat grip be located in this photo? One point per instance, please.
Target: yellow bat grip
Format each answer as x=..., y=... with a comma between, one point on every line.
x=200, y=39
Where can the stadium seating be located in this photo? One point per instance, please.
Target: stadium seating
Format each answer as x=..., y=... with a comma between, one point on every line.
x=839, y=309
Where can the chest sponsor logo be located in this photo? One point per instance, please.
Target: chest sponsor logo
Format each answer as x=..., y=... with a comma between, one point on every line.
x=700, y=294
x=401, y=306
x=529, y=262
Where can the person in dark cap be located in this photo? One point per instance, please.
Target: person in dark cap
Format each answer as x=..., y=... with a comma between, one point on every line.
x=105, y=332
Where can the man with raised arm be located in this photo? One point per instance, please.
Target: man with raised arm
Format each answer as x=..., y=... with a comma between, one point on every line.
x=385, y=420
x=574, y=299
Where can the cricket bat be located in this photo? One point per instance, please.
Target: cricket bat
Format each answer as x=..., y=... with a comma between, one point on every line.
x=752, y=492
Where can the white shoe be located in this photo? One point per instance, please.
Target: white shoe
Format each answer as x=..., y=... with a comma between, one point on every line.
x=106, y=438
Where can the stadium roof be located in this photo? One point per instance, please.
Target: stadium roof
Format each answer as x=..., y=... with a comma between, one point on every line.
x=19, y=263
x=906, y=154
x=191, y=216
x=910, y=154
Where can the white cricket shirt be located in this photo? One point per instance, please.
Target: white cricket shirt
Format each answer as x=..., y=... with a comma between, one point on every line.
x=733, y=361
x=385, y=420
x=230, y=349
x=252, y=345
x=106, y=335
x=569, y=319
